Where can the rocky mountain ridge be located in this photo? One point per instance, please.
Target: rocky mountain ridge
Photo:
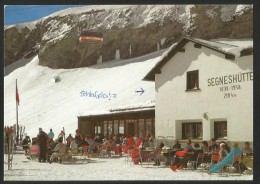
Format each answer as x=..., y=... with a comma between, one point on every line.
x=129, y=31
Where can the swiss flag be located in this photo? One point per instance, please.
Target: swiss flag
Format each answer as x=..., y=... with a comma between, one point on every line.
x=17, y=95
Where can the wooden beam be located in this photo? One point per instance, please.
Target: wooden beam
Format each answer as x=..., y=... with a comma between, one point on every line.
x=181, y=50
x=158, y=72
x=246, y=52
x=196, y=45
x=229, y=56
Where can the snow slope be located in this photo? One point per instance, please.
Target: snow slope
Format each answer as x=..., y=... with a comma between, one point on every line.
x=100, y=89
x=49, y=104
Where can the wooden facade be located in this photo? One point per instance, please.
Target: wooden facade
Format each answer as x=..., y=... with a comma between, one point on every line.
x=124, y=123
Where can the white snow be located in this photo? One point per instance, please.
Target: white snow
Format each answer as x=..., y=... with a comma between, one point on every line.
x=20, y=26
x=227, y=12
x=58, y=31
x=99, y=60
x=241, y=8
x=162, y=40
x=212, y=13
x=233, y=46
x=124, y=16
x=117, y=56
x=49, y=104
x=105, y=169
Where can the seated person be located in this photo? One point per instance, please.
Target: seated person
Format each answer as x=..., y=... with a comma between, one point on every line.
x=50, y=147
x=204, y=146
x=106, y=145
x=214, y=147
x=34, y=150
x=222, y=152
x=181, y=158
x=176, y=147
x=73, y=146
x=139, y=142
x=151, y=141
x=196, y=151
x=247, y=150
x=227, y=160
x=154, y=154
x=188, y=146
x=83, y=143
x=93, y=146
x=60, y=149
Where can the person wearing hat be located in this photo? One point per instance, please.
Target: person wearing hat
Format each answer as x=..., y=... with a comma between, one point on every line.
x=222, y=152
x=42, y=138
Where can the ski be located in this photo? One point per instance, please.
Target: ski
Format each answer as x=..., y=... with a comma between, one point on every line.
x=64, y=134
x=10, y=150
x=21, y=133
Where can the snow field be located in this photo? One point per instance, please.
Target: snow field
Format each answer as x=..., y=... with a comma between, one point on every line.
x=100, y=169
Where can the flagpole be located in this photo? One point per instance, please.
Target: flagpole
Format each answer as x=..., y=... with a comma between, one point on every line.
x=17, y=127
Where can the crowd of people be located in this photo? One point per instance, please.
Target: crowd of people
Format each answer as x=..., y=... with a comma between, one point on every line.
x=49, y=148
x=183, y=157
x=178, y=158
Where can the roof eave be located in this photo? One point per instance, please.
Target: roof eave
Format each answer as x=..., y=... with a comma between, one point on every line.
x=151, y=75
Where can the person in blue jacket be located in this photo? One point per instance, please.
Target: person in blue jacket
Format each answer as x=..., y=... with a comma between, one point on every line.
x=227, y=160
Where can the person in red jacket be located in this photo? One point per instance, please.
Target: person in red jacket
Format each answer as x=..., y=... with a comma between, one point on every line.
x=130, y=141
x=139, y=142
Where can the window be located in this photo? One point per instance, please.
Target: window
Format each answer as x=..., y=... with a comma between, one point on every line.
x=97, y=128
x=115, y=127
x=121, y=127
x=141, y=128
x=220, y=129
x=148, y=126
x=105, y=128
x=192, y=130
x=109, y=128
x=193, y=80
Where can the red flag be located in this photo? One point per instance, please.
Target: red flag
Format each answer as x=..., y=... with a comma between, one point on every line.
x=17, y=96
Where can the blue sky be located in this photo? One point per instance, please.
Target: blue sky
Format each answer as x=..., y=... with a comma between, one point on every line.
x=24, y=13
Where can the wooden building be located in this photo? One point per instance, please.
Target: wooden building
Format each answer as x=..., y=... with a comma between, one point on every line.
x=131, y=122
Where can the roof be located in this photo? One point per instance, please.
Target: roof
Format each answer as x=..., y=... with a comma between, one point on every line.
x=231, y=51
x=119, y=111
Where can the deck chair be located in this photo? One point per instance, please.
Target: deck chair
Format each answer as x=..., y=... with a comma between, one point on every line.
x=234, y=166
x=155, y=155
x=118, y=150
x=128, y=156
x=105, y=150
x=199, y=163
x=214, y=160
x=33, y=152
x=136, y=157
x=177, y=161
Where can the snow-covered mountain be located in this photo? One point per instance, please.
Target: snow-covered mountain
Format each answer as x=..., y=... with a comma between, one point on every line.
x=96, y=89
x=129, y=31
x=135, y=38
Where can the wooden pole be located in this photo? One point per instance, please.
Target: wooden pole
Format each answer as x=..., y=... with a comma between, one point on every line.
x=17, y=126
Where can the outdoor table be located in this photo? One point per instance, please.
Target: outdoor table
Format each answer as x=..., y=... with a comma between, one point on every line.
x=145, y=153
